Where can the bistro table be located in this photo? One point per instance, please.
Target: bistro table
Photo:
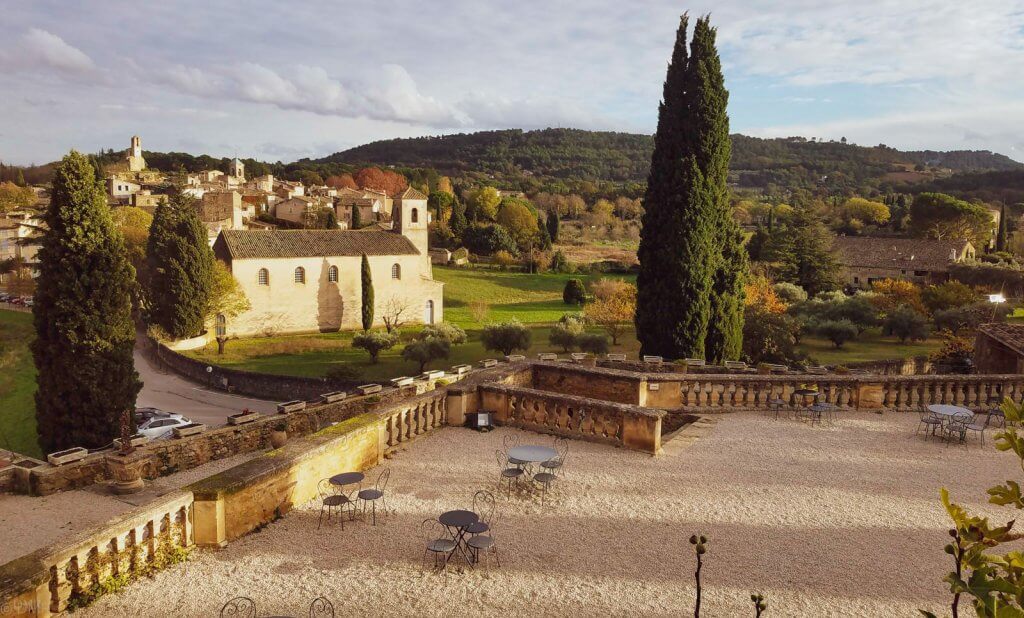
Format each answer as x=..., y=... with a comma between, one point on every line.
x=456, y=522
x=947, y=411
x=347, y=478
x=803, y=394
x=531, y=453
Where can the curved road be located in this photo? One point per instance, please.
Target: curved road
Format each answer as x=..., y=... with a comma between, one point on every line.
x=172, y=393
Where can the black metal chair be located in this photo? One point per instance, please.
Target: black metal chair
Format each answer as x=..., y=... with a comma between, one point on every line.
x=980, y=427
x=377, y=493
x=331, y=498
x=562, y=447
x=436, y=542
x=776, y=406
x=486, y=544
x=507, y=473
x=509, y=442
x=239, y=607
x=930, y=422
x=956, y=427
x=321, y=608
x=483, y=505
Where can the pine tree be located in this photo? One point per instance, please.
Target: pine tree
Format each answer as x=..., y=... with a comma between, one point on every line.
x=367, y=289
x=179, y=266
x=553, y=224
x=705, y=87
x=83, y=316
x=1002, y=233
x=677, y=256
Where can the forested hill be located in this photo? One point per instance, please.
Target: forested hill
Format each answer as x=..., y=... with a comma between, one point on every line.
x=536, y=157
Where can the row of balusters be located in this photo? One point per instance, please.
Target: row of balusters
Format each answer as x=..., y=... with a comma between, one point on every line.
x=755, y=394
x=407, y=423
x=129, y=553
x=526, y=410
x=976, y=392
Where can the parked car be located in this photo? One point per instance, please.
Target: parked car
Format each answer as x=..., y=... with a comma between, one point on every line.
x=160, y=426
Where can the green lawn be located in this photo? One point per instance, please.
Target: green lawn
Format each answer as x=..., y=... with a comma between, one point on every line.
x=870, y=346
x=534, y=299
x=17, y=384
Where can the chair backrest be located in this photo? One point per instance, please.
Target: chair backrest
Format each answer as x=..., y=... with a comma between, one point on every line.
x=321, y=608
x=962, y=419
x=432, y=530
x=510, y=441
x=562, y=446
x=483, y=505
x=239, y=607
x=502, y=458
x=325, y=489
x=382, y=480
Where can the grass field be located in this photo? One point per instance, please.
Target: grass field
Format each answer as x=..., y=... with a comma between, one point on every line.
x=17, y=384
x=535, y=300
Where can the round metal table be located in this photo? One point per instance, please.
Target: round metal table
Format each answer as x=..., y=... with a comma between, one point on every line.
x=530, y=453
x=347, y=478
x=941, y=409
x=456, y=522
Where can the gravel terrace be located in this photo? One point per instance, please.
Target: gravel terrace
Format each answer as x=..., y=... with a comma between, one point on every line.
x=840, y=521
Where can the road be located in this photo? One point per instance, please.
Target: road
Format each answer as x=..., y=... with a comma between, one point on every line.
x=171, y=393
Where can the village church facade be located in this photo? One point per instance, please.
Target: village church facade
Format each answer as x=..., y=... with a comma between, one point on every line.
x=301, y=281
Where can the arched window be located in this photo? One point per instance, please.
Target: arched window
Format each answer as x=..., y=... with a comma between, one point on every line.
x=414, y=217
x=396, y=271
x=222, y=325
x=264, y=277
x=332, y=274
x=300, y=275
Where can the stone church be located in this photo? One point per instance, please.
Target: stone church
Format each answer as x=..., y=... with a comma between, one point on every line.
x=301, y=281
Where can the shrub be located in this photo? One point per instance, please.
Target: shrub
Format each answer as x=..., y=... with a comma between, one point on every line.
x=425, y=350
x=345, y=373
x=504, y=259
x=444, y=330
x=955, y=354
x=906, y=324
x=564, y=335
x=374, y=343
x=790, y=293
x=479, y=309
x=595, y=343
x=574, y=292
x=769, y=337
x=614, y=308
x=560, y=263
x=488, y=239
x=948, y=295
x=837, y=331
x=506, y=337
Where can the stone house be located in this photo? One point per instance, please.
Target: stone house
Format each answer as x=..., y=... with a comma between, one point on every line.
x=301, y=281
x=999, y=349
x=866, y=259
x=16, y=232
x=147, y=200
x=121, y=190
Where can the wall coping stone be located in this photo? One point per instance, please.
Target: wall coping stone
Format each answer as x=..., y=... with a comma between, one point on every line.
x=574, y=399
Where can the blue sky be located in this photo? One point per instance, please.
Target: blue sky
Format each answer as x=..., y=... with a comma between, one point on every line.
x=279, y=81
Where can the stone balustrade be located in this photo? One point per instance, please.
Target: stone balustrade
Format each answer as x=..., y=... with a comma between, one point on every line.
x=48, y=581
x=403, y=423
x=575, y=417
x=726, y=392
x=973, y=391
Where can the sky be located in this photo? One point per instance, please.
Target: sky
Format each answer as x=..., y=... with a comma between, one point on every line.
x=285, y=80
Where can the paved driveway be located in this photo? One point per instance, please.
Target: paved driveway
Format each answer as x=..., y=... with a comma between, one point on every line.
x=171, y=393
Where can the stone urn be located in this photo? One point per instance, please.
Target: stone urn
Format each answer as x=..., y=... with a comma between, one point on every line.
x=279, y=435
x=126, y=471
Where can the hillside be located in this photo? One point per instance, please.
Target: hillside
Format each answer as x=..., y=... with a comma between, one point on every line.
x=531, y=157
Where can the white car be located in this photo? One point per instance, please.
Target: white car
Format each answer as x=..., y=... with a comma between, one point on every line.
x=160, y=426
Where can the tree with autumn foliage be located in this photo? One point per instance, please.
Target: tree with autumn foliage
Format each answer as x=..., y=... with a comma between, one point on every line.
x=342, y=181
x=760, y=293
x=889, y=294
x=613, y=308
x=390, y=182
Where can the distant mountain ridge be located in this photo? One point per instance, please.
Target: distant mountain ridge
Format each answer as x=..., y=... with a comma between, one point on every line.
x=624, y=157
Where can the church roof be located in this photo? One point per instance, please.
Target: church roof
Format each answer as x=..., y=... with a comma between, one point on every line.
x=412, y=194
x=250, y=244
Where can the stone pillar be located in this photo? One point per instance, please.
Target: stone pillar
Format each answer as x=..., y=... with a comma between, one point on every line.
x=642, y=432
x=457, y=404
x=870, y=395
x=209, y=528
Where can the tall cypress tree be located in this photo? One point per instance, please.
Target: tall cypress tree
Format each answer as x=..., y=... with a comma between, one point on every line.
x=676, y=250
x=180, y=269
x=1001, y=234
x=553, y=225
x=83, y=316
x=543, y=236
x=705, y=87
x=366, y=280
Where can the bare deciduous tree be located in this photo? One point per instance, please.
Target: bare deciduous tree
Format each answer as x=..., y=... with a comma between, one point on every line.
x=394, y=313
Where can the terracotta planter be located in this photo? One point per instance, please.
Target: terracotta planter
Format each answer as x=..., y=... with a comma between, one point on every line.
x=126, y=472
x=278, y=438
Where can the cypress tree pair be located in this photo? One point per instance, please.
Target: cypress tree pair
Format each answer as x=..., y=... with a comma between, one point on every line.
x=180, y=269
x=83, y=316
x=692, y=262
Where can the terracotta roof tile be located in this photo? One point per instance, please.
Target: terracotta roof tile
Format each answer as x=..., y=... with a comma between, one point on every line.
x=412, y=194
x=249, y=244
x=1010, y=335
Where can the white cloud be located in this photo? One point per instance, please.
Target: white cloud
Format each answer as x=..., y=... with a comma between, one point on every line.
x=38, y=49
